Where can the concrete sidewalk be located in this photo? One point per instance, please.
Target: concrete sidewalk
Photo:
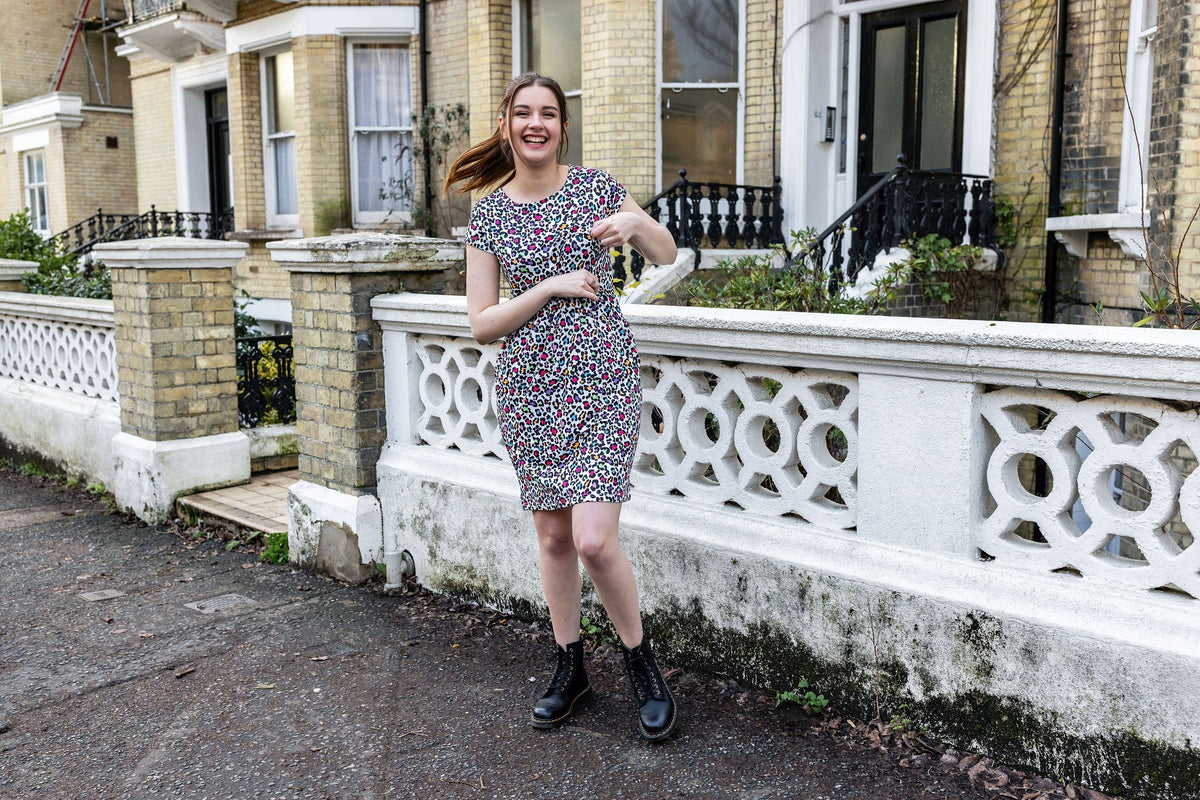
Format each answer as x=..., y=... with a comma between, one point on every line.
x=299, y=687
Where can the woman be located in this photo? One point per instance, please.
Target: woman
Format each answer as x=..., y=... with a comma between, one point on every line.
x=567, y=379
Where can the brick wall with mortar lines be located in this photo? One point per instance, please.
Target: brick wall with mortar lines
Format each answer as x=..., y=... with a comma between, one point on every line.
x=174, y=342
x=1094, y=105
x=1175, y=132
x=764, y=27
x=100, y=176
x=154, y=132
x=339, y=376
x=620, y=100
x=449, y=74
x=245, y=141
x=489, y=46
x=1022, y=107
x=258, y=275
x=33, y=42
x=322, y=134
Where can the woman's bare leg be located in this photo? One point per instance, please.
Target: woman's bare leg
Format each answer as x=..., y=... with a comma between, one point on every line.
x=594, y=533
x=559, y=565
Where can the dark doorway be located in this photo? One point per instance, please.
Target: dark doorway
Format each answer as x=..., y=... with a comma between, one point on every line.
x=911, y=90
x=220, y=182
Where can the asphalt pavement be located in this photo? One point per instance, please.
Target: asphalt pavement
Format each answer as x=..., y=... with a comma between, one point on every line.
x=136, y=662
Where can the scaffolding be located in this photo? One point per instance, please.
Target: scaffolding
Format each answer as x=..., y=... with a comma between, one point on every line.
x=111, y=15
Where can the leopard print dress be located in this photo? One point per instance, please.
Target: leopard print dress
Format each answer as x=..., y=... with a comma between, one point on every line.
x=568, y=389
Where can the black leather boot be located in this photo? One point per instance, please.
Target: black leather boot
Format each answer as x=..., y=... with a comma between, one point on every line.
x=656, y=706
x=568, y=688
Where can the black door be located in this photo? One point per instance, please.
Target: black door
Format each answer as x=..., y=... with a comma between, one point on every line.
x=220, y=188
x=911, y=89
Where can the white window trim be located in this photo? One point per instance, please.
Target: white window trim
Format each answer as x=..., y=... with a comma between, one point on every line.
x=740, y=86
x=268, y=161
x=519, y=42
x=370, y=218
x=1135, y=117
x=31, y=188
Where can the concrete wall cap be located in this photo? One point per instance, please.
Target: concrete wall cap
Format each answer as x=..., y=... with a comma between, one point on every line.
x=11, y=269
x=86, y=310
x=173, y=249
x=366, y=252
x=1160, y=363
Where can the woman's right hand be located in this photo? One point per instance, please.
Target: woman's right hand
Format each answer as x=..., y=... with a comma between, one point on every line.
x=580, y=283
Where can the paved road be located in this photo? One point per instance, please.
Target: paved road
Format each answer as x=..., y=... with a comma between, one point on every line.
x=311, y=689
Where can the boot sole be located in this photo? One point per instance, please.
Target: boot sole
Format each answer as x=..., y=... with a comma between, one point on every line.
x=547, y=724
x=663, y=734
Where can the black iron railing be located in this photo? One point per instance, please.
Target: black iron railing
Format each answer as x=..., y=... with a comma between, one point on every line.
x=904, y=204
x=710, y=214
x=266, y=382
x=80, y=238
x=147, y=9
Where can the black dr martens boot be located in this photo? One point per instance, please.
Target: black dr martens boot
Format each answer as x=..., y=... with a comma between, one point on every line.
x=568, y=688
x=656, y=706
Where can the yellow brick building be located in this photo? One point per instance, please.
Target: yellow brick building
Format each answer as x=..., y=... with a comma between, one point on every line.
x=66, y=140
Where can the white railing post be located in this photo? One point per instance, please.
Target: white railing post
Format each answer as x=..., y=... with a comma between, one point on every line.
x=919, y=475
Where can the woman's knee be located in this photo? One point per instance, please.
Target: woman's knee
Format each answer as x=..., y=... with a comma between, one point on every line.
x=595, y=548
x=555, y=539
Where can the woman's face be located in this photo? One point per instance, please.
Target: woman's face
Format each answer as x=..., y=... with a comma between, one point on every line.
x=534, y=128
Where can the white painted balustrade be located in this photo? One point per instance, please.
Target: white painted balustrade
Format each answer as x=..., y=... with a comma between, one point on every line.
x=864, y=488
x=58, y=380
x=60, y=342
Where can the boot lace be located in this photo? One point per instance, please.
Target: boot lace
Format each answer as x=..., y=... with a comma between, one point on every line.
x=645, y=678
x=563, y=671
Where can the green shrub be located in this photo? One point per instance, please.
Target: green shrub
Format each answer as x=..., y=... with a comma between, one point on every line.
x=754, y=281
x=58, y=273
x=277, y=548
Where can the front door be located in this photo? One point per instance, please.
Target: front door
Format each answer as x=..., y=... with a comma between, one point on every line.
x=220, y=166
x=911, y=90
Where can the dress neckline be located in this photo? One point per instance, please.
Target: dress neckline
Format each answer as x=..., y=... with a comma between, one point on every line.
x=566, y=181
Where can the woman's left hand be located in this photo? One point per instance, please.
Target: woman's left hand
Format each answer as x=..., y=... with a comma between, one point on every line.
x=617, y=230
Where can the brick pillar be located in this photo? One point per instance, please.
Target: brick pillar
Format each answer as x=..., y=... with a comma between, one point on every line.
x=173, y=314
x=11, y=271
x=490, y=66
x=620, y=102
x=334, y=519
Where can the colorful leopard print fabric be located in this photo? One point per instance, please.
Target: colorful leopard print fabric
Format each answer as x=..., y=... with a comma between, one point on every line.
x=567, y=382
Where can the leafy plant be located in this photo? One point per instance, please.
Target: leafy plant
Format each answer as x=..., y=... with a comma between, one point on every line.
x=755, y=281
x=946, y=272
x=57, y=273
x=277, y=548
x=440, y=133
x=810, y=701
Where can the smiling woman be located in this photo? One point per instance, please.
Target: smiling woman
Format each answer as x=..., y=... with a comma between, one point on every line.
x=568, y=384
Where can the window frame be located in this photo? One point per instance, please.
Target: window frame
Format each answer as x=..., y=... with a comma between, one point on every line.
x=1132, y=191
x=270, y=180
x=37, y=192
x=739, y=86
x=369, y=218
x=520, y=58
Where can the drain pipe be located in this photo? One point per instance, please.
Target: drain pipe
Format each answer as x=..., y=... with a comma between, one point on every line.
x=426, y=160
x=1054, y=201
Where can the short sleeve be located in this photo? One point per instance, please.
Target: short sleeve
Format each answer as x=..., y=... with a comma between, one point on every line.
x=478, y=229
x=614, y=192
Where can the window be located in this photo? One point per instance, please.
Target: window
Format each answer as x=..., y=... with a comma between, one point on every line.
x=279, y=116
x=381, y=131
x=1139, y=79
x=701, y=89
x=35, y=191
x=548, y=39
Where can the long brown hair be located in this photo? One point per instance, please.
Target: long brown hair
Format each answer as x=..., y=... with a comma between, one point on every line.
x=491, y=161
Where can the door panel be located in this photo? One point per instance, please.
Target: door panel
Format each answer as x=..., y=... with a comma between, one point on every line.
x=911, y=89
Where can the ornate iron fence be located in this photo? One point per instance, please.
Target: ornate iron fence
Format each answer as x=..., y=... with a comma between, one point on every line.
x=266, y=382
x=80, y=238
x=146, y=9
x=710, y=214
x=904, y=204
